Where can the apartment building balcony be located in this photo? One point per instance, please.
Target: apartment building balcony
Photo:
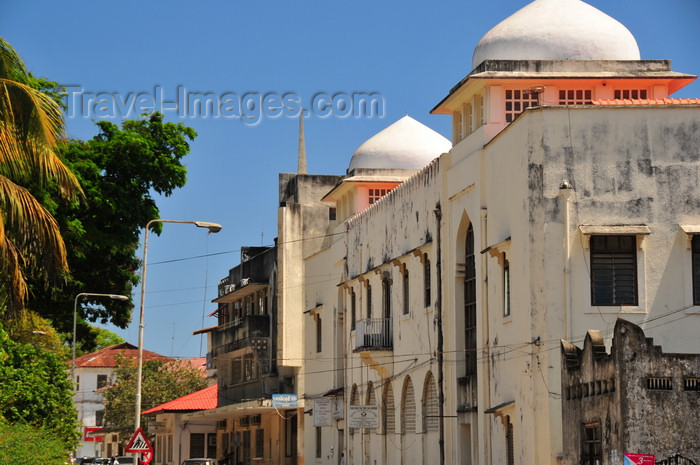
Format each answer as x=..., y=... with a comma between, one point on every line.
x=467, y=394
x=239, y=333
x=374, y=334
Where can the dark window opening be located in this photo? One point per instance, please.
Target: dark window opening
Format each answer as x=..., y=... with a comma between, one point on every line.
x=591, y=447
x=470, y=303
x=613, y=270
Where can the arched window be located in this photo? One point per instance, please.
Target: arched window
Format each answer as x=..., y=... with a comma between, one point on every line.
x=388, y=410
x=408, y=408
x=470, y=303
x=431, y=411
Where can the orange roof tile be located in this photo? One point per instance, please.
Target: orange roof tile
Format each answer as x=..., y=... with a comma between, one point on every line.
x=107, y=357
x=660, y=101
x=204, y=399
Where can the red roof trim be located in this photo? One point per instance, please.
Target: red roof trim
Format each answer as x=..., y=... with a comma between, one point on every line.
x=204, y=399
x=637, y=102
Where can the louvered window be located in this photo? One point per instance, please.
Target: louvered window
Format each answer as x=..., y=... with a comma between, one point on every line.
x=408, y=422
x=431, y=411
x=389, y=411
x=613, y=270
x=470, y=304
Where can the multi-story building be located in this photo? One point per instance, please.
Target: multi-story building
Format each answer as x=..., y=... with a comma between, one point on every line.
x=93, y=372
x=421, y=298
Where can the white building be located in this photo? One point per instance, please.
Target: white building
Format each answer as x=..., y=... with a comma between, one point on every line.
x=568, y=198
x=92, y=372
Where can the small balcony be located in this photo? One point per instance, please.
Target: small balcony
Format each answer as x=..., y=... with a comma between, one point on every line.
x=239, y=334
x=467, y=394
x=374, y=334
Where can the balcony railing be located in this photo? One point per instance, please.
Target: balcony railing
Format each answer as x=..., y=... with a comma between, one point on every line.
x=374, y=334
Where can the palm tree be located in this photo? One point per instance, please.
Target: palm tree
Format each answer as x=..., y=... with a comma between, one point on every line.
x=31, y=126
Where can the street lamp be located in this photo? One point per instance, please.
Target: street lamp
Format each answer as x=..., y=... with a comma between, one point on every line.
x=213, y=228
x=75, y=321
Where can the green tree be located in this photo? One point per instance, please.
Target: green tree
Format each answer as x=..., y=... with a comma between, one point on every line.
x=119, y=169
x=27, y=445
x=35, y=391
x=31, y=125
x=160, y=383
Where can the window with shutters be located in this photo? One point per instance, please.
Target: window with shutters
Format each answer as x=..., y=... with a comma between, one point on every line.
x=389, y=410
x=591, y=447
x=696, y=269
x=259, y=443
x=406, y=292
x=470, y=304
x=431, y=411
x=613, y=270
x=197, y=445
x=426, y=281
x=319, y=334
x=369, y=300
x=510, y=445
x=408, y=408
x=353, y=309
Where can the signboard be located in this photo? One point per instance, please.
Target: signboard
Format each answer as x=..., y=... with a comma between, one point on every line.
x=323, y=411
x=638, y=459
x=88, y=436
x=285, y=400
x=139, y=443
x=363, y=416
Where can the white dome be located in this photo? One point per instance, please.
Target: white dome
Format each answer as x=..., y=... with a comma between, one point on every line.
x=557, y=30
x=406, y=144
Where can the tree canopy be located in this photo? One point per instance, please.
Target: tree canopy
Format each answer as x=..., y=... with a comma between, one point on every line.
x=36, y=391
x=119, y=169
x=160, y=383
x=31, y=125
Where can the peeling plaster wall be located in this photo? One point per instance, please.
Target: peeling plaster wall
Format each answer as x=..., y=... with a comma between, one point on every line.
x=612, y=389
x=627, y=166
x=393, y=233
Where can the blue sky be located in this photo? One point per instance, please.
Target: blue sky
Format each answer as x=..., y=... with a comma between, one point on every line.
x=408, y=52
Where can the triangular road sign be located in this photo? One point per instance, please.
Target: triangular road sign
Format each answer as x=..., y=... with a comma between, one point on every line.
x=139, y=443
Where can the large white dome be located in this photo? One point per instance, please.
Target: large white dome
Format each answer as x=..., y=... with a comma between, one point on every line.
x=406, y=144
x=557, y=30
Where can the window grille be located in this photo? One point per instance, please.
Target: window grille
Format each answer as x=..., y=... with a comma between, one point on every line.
x=613, y=270
x=691, y=384
x=656, y=383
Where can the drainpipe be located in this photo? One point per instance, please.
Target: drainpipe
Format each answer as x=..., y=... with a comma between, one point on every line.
x=440, y=342
x=565, y=190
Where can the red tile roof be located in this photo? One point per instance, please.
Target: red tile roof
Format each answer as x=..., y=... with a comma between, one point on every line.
x=107, y=357
x=660, y=101
x=204, y=399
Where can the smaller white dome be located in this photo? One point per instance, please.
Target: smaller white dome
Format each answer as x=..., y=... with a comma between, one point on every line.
x=557, y=30
x=406, y=144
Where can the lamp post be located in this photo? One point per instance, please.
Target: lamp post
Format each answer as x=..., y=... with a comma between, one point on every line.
x=75, y=321
x=213, y=228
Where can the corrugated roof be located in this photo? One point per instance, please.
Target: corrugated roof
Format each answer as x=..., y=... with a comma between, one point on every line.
x=107, y=357
x=659, y=101
x=204, y=399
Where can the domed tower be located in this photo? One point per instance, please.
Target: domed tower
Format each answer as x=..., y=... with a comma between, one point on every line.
x=557, y=30
x=383, y=162
x=552, y=52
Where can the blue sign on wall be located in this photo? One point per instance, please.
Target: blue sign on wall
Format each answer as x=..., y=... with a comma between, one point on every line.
x=285, y=400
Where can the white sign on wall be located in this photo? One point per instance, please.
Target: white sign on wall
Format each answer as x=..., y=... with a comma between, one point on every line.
x=323, y=411
x=363, y=416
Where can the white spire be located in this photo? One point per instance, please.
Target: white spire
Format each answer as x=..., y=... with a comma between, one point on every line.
x=301, y=167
